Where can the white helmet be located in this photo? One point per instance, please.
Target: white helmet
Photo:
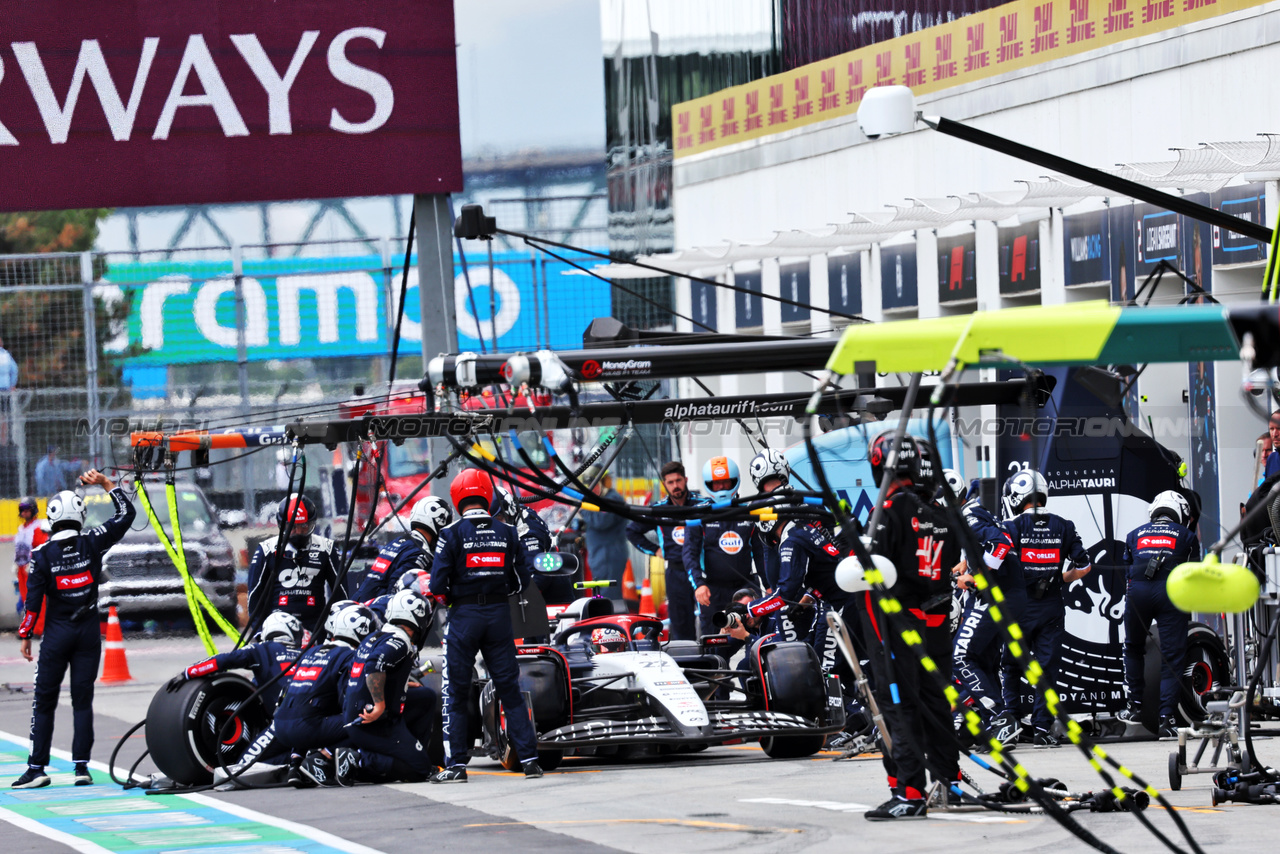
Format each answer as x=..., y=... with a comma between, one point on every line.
x=282, y=626
x=1172, y=504
x=432, y=513
x=505, y=506
x=1023, y=488
x=335, y=609
x=354, y=623
x=770, y=463
x=65, y=507
x=955, y=483
x=408, y=608
x=851, y=577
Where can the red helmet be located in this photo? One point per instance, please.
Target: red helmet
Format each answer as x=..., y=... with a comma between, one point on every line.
x=608, y=640
x=471, y=483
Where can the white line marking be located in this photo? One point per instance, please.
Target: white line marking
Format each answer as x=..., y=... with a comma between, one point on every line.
x=30, y=825
x=303, y=830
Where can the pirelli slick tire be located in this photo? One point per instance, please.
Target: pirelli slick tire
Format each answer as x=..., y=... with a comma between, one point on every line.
x=792, y=676
x=184, y=726
x=791, y=746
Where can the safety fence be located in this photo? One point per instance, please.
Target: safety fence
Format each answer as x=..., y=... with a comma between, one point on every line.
x=102, y=344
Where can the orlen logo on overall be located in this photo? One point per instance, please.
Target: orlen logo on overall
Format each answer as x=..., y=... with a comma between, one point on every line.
x=486, y=559
x=71, y=582
x=731, y=542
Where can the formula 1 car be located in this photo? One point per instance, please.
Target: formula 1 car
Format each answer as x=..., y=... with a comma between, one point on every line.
x=661, y=697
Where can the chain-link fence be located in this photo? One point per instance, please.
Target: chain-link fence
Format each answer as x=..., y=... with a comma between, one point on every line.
x=102, y=344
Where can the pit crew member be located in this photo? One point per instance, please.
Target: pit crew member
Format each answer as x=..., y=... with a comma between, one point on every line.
x=306, y=570
x=64, y=578
x=1151, y=552
x=1043, y=543
x=681, y=606
x=479, y=563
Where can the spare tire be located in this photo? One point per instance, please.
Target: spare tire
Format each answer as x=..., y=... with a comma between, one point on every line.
x=183, y=726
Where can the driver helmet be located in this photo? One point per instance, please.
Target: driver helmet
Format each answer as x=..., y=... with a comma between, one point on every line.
x=608, y=640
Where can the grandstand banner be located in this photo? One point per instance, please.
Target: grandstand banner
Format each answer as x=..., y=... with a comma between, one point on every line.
x=1004, y=38
x=304, y=308
x=136, y=103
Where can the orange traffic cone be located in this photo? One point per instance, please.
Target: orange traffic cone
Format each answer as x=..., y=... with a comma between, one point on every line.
x=114, y=666
x=646, y=599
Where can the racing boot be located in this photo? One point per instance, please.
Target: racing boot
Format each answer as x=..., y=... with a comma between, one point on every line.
x=898, y=808
x=83, y=777
x=346, y=762
x=532, y=770
x=1130, y=714
x=318, y=768
x=1045, y=738
x=33, y=778
x=294, y=776
x=1168, y=727
x=456, y=774
x=1005, y=729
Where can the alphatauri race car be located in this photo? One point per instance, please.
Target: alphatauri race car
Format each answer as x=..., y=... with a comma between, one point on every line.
x=607, y=685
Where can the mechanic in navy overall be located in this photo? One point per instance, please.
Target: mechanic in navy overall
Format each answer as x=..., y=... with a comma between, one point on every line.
x=388, y=722
x=681, y=606
x=1151, y=552
x=535, y=536
x=1043, y=543
x=479, y=563
x=721, y=556
x=979, y=641
x=770, y=472
x=310, y=720
x=64, y=576
x=274, y=652
x=402, y=554
x=914, y=534
x=307, y=568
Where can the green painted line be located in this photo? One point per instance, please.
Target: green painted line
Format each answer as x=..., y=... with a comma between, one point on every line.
x=104, y=819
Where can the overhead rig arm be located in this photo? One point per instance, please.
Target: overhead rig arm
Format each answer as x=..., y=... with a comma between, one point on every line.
x=873, y=403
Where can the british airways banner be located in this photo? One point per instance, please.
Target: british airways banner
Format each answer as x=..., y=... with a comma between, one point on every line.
x=150, y=102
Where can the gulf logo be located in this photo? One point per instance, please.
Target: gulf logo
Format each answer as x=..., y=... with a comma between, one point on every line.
x=677, y=534
x=731, y=542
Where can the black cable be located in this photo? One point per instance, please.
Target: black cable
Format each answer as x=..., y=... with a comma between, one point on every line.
x=404, y=293
x=660, y=271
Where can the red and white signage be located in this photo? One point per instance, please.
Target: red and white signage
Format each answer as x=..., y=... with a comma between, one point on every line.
x=486, y=559
x=144, y=102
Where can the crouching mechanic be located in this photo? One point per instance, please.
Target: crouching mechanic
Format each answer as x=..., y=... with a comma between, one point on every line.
x=479, y=563
x=388, y=722
x=979, y=641
x=1151, y=552
x=402, y=554
x=274, y=652
x=64, y=578
x=1043, y=543
x=914, y=535
x=310, y=720
x=300, y=578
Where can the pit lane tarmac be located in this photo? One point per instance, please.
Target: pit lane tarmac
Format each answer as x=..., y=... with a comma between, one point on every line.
x=729, y=798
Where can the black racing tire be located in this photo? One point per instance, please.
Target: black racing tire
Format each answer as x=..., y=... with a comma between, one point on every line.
x=183, y=726
x=791, y=746
x=550, y=759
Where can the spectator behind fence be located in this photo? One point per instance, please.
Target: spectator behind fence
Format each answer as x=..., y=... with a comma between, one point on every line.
x=1272, y=465
x=52, y=474
x=8, y=379
x=606, y=535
